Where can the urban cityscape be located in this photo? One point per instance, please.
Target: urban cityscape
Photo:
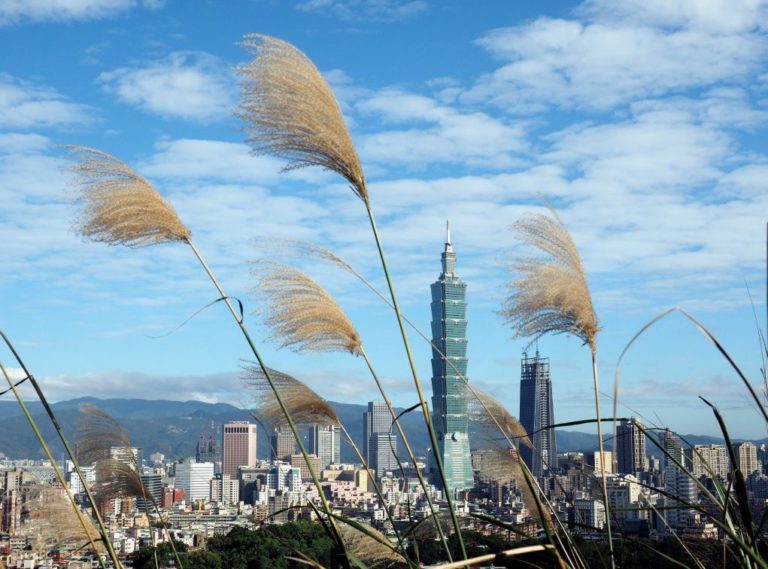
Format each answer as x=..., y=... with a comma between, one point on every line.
x=651, y=491
x=383, y=284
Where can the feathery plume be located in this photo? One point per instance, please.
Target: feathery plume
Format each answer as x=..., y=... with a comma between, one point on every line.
x=368, y=549
x=304, y=405
x=56, y=522
x=120, y=206
x=292, y=112
x=103, y=443
x=551, y=295
x=491, y=415
x=301, y=314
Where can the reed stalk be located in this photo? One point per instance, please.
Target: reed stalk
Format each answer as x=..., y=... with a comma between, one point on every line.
x=58, y=473
x=67, y=448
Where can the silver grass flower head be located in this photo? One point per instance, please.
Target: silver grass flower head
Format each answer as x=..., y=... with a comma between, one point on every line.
x=490, y=416
x=368, y=549
x=291, y=112
x=301, y=315
x=305, y=406
x=120, y=207
x=551, y=294
x=99, y=435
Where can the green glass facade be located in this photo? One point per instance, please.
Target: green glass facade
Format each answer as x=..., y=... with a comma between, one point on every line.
x=449, y=397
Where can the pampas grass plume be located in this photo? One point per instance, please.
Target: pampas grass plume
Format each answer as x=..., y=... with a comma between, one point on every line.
x=120, y=207
x=301, y=314
x=551, y=294
x=291, y=111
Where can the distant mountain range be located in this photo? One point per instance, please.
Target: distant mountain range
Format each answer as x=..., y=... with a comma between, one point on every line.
x=174, y=427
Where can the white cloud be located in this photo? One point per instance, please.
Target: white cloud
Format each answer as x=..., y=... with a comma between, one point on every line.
x=24, y=105
x=193, y=86
x=449, y=135
x=22, y=11
x=366, y=10
x=602, y=63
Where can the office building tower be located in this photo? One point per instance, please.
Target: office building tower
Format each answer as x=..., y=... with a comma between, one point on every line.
x=325, y=443
x=449, y=373
x=383, y=447
x=536, y=414
x=376, y=419
x=746, y=455
x=238, y=446
x=284, y=477
x=677, y=482
x=207, y=447
x=194, y=478
x=283, y=444
x=630, y=447
x=225, y=489
x=709, y=460
x=153, y=484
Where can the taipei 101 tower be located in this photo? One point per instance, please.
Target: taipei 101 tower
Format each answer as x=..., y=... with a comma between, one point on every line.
x=449, y=396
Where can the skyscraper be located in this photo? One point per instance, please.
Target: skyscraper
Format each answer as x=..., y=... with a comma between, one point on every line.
x=449, y=399
x=207, y=448
x=677, y=482
x=630, y=447
x=746, y=453
x=325, y=443
x=381, y=449
x=376, y=419
x=283, y=444
x=238, y=446
x=195, y=479
x=537, y=413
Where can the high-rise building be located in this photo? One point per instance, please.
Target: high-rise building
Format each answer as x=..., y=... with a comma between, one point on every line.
x=284, y=477
x=283, y=444
x=746, y=454
x=383, y=447
x=536, y=414
x=377, y=419
x=677, y=482
x=709, y=460
x=238, y=446
x=153, y=484
x=325, y=443
x=449, y=393
x=225, y=489
x=630, y=447
x=195, y=479
x=207, y=447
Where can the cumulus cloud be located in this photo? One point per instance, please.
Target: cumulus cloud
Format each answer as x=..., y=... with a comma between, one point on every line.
x=23, y=11
x=186, y=85
x=622, y=51
x=26, y=105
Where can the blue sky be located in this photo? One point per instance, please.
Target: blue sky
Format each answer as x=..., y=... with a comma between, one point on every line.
x=644, y=122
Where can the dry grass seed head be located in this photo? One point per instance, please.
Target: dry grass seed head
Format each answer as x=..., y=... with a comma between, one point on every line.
x=304, y=405
x=368, y=549
x=292, y=112
x=490, y=415
x=55, y=522
x=119, y=206
x=103, y=444
x=301, y=315
x=551, y=294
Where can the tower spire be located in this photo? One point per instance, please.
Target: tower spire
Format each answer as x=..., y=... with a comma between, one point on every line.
x=447, y=232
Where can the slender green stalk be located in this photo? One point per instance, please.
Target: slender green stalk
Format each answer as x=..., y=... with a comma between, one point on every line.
x=68, y=449
x=55, y=466
x=278, y=398
x=417, y=383
x=607, y=509
x=409, y=450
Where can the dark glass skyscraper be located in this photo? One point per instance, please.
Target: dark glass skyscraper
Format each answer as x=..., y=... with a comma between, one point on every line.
x=536, y=412
x=449, y=398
